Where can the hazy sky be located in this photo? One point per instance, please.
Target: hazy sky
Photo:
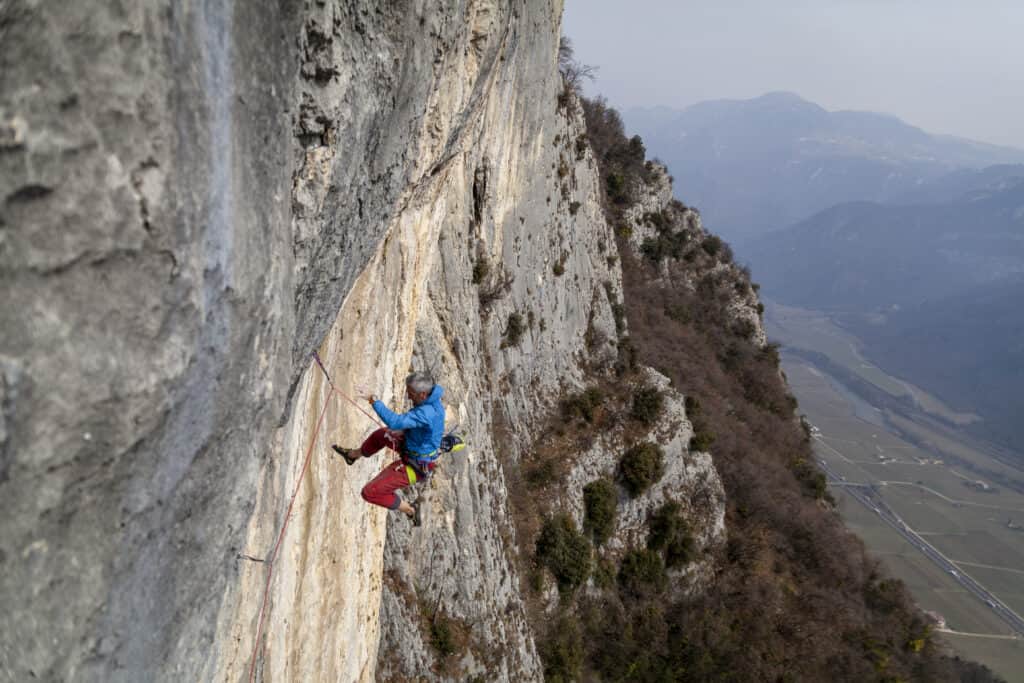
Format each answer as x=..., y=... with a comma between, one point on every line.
x=948, y=66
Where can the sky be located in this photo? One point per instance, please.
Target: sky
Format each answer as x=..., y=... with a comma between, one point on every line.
x=947, y=66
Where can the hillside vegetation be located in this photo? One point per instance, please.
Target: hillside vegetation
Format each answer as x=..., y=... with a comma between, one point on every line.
x=796, y=597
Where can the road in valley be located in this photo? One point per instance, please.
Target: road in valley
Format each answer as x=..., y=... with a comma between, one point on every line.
x=867, y=495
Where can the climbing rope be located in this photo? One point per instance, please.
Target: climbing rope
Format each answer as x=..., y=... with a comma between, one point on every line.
x=291, y=503
x=316, y=357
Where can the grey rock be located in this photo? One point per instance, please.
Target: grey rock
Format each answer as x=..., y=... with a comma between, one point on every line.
x=193, y=197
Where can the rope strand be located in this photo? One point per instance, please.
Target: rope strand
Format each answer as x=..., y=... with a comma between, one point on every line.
x=291, y=503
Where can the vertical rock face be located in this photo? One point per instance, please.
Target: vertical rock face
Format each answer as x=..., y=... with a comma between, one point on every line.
x=195, y=196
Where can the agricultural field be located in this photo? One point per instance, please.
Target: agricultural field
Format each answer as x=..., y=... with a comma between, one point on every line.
x=1006, y=657
x=816, y=332
x=949, y=490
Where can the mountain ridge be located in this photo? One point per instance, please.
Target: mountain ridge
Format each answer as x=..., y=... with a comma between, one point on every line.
x=761, y=164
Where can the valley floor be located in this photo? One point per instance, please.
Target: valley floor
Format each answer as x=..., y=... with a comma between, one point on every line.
x=942, y=512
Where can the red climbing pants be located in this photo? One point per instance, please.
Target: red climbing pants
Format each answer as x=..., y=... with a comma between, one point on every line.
x=381, y=489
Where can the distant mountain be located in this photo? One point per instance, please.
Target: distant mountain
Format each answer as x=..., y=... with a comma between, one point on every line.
x=967, y=181
x=752, y=166
x=866, y=257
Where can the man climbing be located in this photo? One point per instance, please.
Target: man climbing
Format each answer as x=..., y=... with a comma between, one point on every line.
x=416, y=437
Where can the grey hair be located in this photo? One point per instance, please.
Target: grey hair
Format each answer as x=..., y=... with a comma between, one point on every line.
x=420, y=382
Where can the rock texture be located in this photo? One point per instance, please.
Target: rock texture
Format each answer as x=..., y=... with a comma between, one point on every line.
x=196, y=196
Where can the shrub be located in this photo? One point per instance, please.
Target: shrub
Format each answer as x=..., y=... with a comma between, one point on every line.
x=812, y=480
x=679, y=312
x=574, y=207
x=701, y=440
x=744, y=328
x=669, y=532
x=494, y=287
x=712, y=245
x=562, y=651
x=664, y=525
x=564, y=551
x=441, y=635
x=615, y=184
x=627, y=358
x=641, y=572
x=692, y=406
x=647, y=403
x=513, y=330
x=582, y=405
x=541, y=474
x=599, y=502
x=641, y=466
x=604, y=574
x=480, y=270
x=558, y=269
x=581, y=147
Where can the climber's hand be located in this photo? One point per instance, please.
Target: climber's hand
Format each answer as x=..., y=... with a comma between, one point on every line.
x=364, y=392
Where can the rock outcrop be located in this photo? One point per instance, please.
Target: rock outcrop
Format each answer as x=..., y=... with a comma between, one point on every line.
x=195, y=197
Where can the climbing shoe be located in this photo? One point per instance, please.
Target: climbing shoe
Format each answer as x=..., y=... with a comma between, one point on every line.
x=344, y=452
x=415, y=516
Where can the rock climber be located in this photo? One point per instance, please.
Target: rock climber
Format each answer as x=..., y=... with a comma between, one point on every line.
x=416, y=436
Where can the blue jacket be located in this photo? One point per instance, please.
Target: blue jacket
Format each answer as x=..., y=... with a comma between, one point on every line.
x=423, y=425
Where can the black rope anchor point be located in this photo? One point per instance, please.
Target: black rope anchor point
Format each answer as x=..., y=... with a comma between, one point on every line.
x=316, y=357
x=243, y=556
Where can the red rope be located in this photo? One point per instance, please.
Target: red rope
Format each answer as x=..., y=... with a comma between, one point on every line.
x=291, y=503
x=280, y=537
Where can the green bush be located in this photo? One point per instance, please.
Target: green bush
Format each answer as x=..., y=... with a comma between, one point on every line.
x=642, y=572
x=712, y=245
x=513, y=330
x=664, y=525
x=715, y=247
x=641, y=466
x=442, y=636
x=701, y=440
x=604, y=574
x=574, y=207
x=564, y=551
x=480, y=270
x=667, y=243
x=599, y=502
x=812, y=480
x=562, y=651
x=619, y=314
x=670, y=533
x=615, y=184
x=692, y=406
x=647, y=403
x=583, y=404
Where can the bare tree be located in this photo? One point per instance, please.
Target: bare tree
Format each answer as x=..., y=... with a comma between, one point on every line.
x=573, y=72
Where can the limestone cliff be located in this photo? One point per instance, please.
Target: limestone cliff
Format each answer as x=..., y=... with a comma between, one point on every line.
x=194, y=198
